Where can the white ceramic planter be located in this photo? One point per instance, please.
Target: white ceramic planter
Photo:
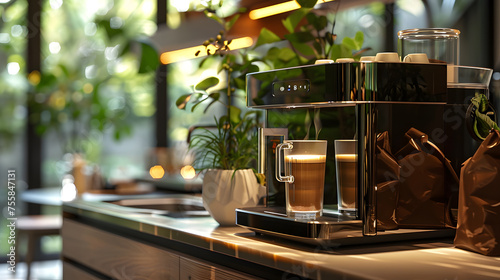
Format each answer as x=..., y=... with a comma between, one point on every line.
x=222, y=193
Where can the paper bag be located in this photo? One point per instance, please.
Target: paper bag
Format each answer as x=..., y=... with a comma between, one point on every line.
x=478, y=226
x=387, y=181
x=426, y=177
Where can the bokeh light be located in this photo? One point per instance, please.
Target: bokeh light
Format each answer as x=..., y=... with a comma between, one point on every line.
x=188, y=172
x=157, y=172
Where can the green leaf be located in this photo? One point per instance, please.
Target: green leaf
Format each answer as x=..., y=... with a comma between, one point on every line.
x=483, y=105
x=345, y=51
x=288, y=25
x=292, y=63
x=483, y=123
x=286, y=54
x=319, y=22
x=335, y=52
x=234, y=114
x=476, y=100
x=272, y=53
x=215, y=95
x=207, y=83
x=300, y=37
x=317, y=46
x=222, y=121
x=266, y=36
x=481, y=127
x=359, y=39
x=149, y=58
x=311, y=18
x=240, y=83
x=204, y=60
x=198, y=104
x=182, y=101
x=303, y=48
x=307, y=3
x=253, y=68
x=278, y=64
x=291, y=22
x=349, y=43
x=481, y=102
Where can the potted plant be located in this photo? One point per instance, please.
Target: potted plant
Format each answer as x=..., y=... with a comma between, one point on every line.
x=227, y=153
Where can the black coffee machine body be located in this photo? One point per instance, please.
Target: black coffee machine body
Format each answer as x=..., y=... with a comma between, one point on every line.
x=360, y=101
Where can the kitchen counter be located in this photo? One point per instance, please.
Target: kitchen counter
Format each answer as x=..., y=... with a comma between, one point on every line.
x=203, y=238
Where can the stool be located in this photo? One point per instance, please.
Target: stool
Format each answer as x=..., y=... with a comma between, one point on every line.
x=34, y=227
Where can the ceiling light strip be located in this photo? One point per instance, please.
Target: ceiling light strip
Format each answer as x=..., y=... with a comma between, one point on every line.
x=189, y=53
x=277, y=9
x=273, y=10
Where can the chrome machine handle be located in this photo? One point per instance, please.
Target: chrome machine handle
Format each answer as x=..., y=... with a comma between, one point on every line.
x=366, y=165
x=279, y=148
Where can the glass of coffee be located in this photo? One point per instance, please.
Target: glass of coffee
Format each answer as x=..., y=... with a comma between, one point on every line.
x=301, y=165
x=346, y=159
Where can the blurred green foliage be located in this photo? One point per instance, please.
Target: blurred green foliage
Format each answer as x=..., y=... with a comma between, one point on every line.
x=97, y=71
x=13, y=83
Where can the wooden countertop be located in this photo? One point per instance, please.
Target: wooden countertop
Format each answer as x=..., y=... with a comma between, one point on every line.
x=434, y=259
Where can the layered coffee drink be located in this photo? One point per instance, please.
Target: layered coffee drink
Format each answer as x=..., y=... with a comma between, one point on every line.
x=305, y=194
x=303, y=175
x=346, y=158
x=346, y=179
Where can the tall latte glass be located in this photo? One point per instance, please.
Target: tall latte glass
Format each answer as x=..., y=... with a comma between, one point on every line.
x=346, y=164
x=301, y=165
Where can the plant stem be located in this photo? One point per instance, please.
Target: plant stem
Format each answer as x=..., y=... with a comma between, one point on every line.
x=230, y=127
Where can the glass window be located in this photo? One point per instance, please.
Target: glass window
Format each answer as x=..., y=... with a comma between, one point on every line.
x=94, y=100
x=13, y=86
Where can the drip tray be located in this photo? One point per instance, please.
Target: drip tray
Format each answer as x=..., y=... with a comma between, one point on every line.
x=330, y=230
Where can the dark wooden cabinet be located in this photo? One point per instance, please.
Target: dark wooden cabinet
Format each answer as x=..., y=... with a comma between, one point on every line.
x=191, y=269
x=92, y=253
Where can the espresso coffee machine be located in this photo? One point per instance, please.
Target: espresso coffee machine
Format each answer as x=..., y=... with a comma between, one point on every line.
x=360, y=101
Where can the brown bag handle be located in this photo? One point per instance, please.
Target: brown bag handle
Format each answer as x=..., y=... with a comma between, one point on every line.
x=416, y=134
x=420, y=139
